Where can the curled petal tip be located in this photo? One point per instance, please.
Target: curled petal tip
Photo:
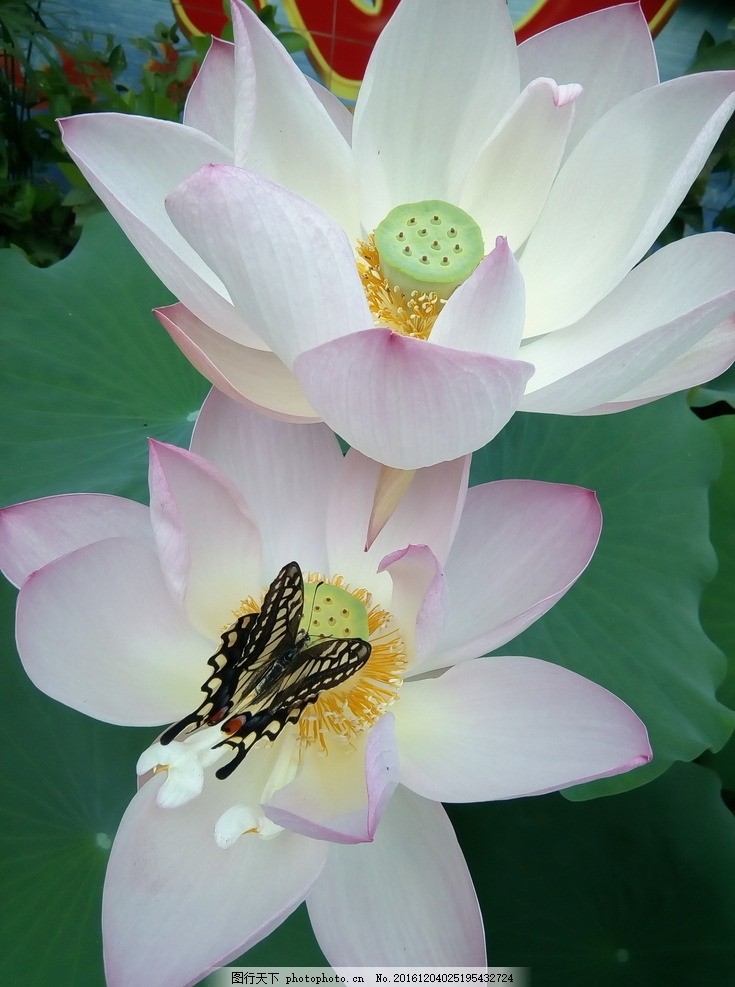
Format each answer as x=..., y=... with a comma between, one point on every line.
x=566, y=94
x=392, y=485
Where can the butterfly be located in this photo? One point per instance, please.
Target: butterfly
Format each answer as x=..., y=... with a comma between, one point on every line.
x=268, y=670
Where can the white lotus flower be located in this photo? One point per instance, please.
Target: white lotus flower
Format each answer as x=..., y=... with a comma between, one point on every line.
x=556, y=165
x=125, y=613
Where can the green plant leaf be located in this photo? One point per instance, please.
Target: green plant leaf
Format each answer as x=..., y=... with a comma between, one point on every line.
x=714, y=58
x=87, y=373
x=631, y=623
x=722, y=388
x=718, y=602
x=66, y=782
x=635, y=890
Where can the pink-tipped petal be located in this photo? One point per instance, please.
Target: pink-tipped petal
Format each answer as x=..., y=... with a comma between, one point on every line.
x=286, y=473
x=288, y=266
x=664, y=307
x=500, y=728
x=36, y=532
x=209, y=545
x=132, y=163
x=289, y=115
x=427, y=514
x=418, y=601
x=176, y=905
x=98, y=630
x=210, y=104
x=349, y=510
x=508, y=183
x=430, y=510
x=486, y=313
x=439, y=79
x=706, y=360
x=253, y=377
x=405, y=899
x=341, y=798
x=616, y=191
x=608, y=52
x=408, y=403
x=520, y=545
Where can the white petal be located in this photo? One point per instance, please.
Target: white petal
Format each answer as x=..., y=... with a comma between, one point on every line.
x=608, y=52
x=520, y=545
x=500, y=728
x=290, y=116
x=418, y=600
x=176, y=905
x=132, y=163
x=615, y=193
x=706, y=360
x=98, y=631
x=340, y=795
x=288, y=266
x=348, y=517
x=209, y=545
x=486, y=313
x=36, y=532
x=409, y=403
x=428, y=514
x=508, y=183
x=665, y=306
x=439, y=79
x=210, y=104
x=251, y=376
x=285, y=472
x=341, y=116
x=405, y=899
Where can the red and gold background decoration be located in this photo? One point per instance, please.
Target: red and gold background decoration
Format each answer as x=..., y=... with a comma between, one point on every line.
x=341, y=34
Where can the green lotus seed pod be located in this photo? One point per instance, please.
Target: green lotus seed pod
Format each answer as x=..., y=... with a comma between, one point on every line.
x=428, y=246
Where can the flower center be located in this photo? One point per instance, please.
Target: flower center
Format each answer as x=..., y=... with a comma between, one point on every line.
x=414, y=260
x=353, y=705
x=315, y=655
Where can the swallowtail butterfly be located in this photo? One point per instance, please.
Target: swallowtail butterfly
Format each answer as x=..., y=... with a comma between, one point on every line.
x=268, y=670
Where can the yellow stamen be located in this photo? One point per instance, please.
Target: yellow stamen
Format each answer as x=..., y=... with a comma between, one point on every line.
x=411, y=315
x=353, y=706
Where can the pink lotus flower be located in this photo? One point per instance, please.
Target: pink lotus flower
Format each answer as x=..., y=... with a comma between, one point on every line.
x=124, y=613
x=304, y=250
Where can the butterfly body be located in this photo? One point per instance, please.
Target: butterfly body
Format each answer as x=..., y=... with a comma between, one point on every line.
x=268, y=670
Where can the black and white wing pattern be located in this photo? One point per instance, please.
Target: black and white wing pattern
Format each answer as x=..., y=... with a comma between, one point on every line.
x=314, y=668
x=248, y=648
x=221, y=685
x=269, y=670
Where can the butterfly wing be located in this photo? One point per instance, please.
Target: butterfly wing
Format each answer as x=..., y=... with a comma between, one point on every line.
x=267, y=671
x=248, y=650
x=222, y=683
x=317, y=668
x=274, y=633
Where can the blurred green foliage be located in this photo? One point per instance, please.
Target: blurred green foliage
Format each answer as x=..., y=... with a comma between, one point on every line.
x=47, y=73
x=710, y=203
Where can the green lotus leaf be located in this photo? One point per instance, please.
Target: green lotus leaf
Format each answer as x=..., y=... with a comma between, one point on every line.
x=635, y=890
x=631, y=623
x=87, y=372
